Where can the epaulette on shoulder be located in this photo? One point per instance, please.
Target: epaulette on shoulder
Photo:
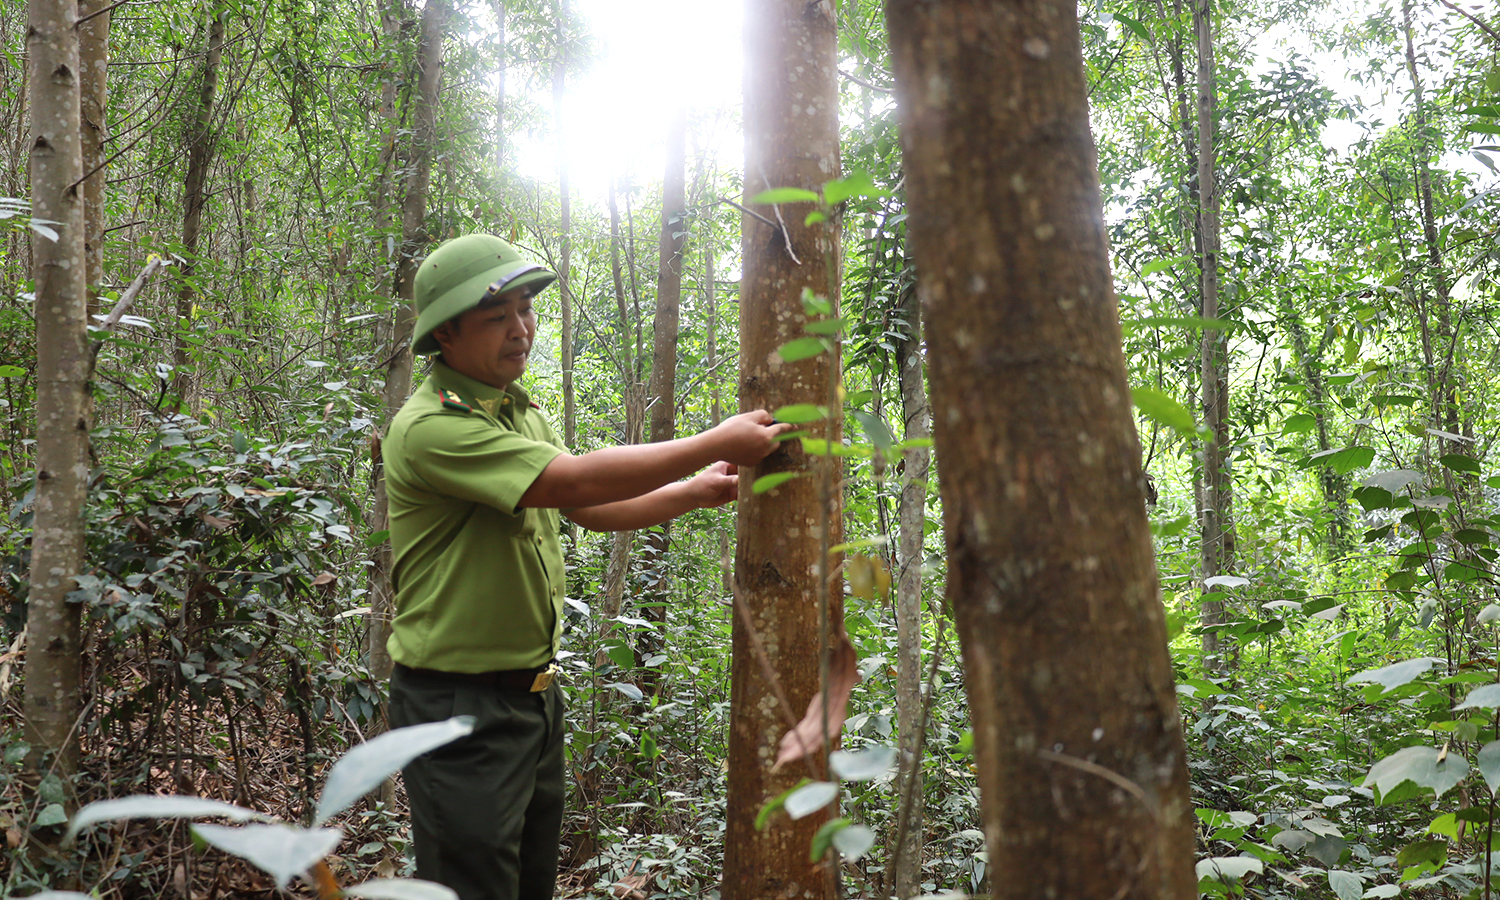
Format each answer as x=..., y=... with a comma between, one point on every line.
x=534, y=405
x=453, y=401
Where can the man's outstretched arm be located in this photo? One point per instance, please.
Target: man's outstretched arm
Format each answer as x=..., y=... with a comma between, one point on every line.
x=714, y=486
x=636, y=471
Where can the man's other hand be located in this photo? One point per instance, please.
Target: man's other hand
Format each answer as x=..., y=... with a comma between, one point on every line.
x=715, y=486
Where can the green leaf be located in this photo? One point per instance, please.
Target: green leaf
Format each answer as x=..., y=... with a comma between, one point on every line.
x=363, y=768
x=620, y=653
x=798, y=413
x=785, y=195
x=856, y=184
x=826, y=327
x=1299, y=423
x=1229, y=868
x=801, y=348
x=377, y=538
x=11, y=371
x=1346, y=884
x=1460, y=463
x=815, y=217
x=1472, y=536
x=282, y=851
x=1419, y=766
x=1383, y=891
x=824, y=838
x=150, y=807
x=51, y=814
x=864, y=765
x=1419, y=852
x=1487, y=697
x=1164, y=410
x=1160, y=265
x=1347, y=460
x=875, y=429
x=1488, y=765
x=1133, y=25
x=853, y=842
x=1396, y=674
x=775, y=479
x=775, y=803
x=400, y=889
x=809, y=798
x=628, y=689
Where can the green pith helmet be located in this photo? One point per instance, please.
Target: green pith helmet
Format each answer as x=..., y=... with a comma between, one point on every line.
x=459, y=273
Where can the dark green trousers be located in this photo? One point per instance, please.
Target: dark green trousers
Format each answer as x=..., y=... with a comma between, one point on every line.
x=486, y=810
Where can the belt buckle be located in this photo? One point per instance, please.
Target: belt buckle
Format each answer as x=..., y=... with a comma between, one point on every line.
x=544, y=678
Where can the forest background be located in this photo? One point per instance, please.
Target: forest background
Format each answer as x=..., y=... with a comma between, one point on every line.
x=1317, y=411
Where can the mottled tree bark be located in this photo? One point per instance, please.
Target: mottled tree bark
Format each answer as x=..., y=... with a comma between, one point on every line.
x=52, y=702
x=781, y=574
x=200, y=154
x=912, y=515
x=93, y=67
x=1216, y=517
x=414, y=240
x=671, y=243
x=1082, y=768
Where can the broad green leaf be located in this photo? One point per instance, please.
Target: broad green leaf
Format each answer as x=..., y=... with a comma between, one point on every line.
x=1164, y=410
x=775, y=803
x=1460, y=463
x=775, y=479
x=863, y=765
x=1299, y=423
x=1396, y=674
x=1421, y=767
x=826, y=326
x=1474, y=537
x=824, y=838
x=401, y=889
x=1133, y=25
x=147, y=807
x=853, y=842
x=815, y=217
x=1487, y=697
x=1160, y=265
x=1394, y=480
x=1232, y=868
x=363, y=768
x=1420, y=852
x=281, y=851
x=628, y=689
x=620, y=654
x=1347, y=460
x=1488, y=765
x=1229, y=581
x=785, y=195
x=801, y=348
x=51, y=814
x=810, y=798
x=1382, y=891
x=1346, y=884
x=11, y=371
x=856, y=184
x=798, y=413
x=875, y=428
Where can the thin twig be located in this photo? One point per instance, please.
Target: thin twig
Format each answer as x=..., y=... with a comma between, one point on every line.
x=100, y=12
x=1473, y=18
x=749, y=212
x=860, y=81
x=786, y=236
x=769, y=672
x=1115, y=778
x=126, y=299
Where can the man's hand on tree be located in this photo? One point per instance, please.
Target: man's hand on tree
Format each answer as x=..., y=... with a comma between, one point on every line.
x=748, y=438
x=715, y=486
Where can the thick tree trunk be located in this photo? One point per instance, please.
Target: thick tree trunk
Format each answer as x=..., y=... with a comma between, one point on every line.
x=414, y=239
x=715, y=410
x=93, y=67
x=912, y=515
x=671, y=244
x=200, y=157
x=1216, y=518
x=565, y=226
x=781, y=571
x=52, y=700
x=1082, y=768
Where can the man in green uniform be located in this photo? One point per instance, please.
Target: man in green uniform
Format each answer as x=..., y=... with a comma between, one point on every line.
x=476, y=478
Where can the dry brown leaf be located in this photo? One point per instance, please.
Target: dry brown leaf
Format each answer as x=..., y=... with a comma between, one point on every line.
x=324, y=578
x=385, y=869
x=843, y=675
x=217, y=522
x=630, y=887
x=13, y=837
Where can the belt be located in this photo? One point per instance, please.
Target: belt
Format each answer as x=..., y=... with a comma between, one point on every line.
x=533, y=680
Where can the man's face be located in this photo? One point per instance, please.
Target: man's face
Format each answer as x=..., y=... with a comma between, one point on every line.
x=491, y=345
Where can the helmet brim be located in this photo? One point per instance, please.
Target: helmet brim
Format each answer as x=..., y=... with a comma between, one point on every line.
x=468, y=294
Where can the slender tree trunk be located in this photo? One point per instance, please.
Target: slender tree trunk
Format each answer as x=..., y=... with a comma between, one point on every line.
x=200, y=157
x=93, y=61
x=500, y=91
x=564, y=272
x=787, y=603
x=414, y=239
x=1082, y=768
x=53, y=701
x=715, y=411
x=1335, y=486
x=672, y=242
x=912, y=515
x=1216, y=518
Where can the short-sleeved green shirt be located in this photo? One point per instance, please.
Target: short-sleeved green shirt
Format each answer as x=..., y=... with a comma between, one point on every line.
x=479, y=582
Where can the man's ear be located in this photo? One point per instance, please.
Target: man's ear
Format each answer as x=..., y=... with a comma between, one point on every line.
x=444, y=334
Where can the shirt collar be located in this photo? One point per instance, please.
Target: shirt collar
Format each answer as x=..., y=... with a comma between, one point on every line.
x=483, y=396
